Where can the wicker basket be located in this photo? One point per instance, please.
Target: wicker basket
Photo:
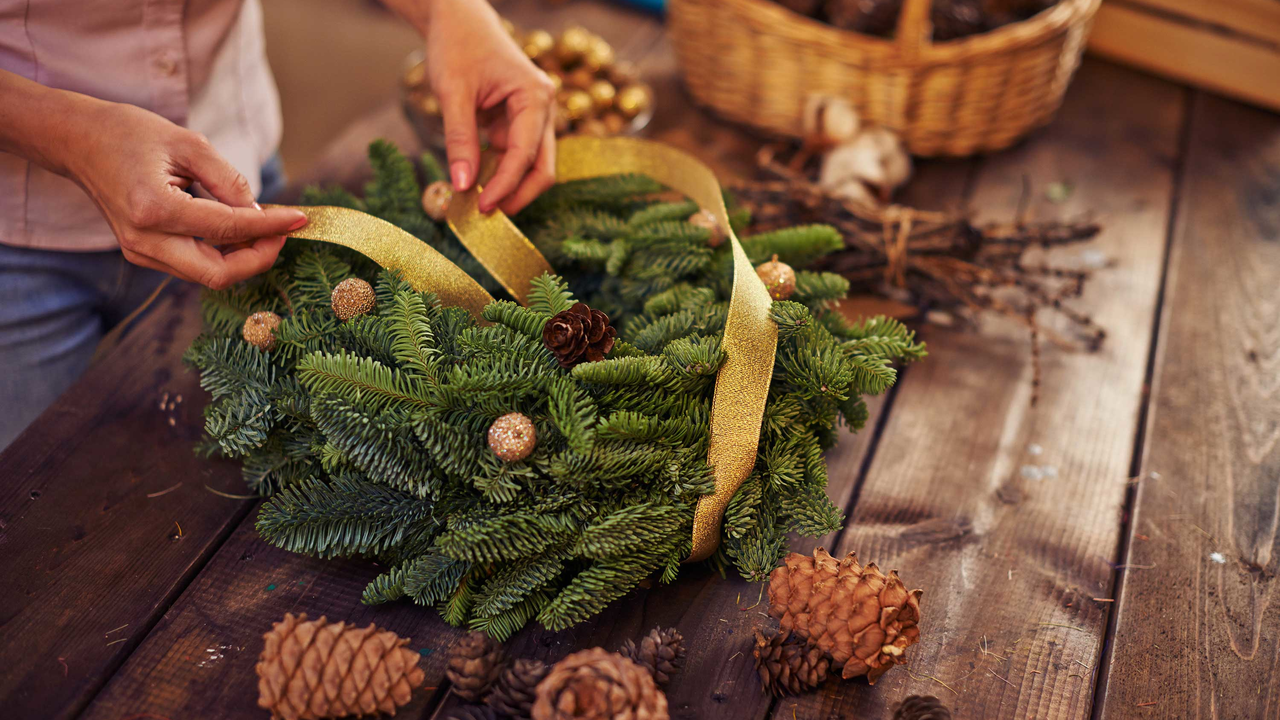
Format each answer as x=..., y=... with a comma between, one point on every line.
x=756, y=62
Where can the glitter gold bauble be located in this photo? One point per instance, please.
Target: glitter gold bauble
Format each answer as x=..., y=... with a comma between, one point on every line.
x=599, y=55
x=352, y=297
x=602, y=93
x=576, y=104
x=633, y=100
x=436, y=199
x=416, y=75
x=260, y=330
x=593, y=127
x=557, y=80
x=614, y=122
x=574, y=42
x=707, y=219
x=561, y=121
x=510, y=27
x=512, y=437
x=549, y=64
x=538, y=43
x=317, y=669
x=622, y=73
x=865, y=620
x=580, y=79
x=778, y=277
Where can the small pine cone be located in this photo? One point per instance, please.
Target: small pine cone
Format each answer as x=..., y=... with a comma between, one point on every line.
x=787, y=667
x=661, y=652
x=473, y=712
x=578, y=334
x=352, y=297
x=598, y=685
x=862, y=618
x=513, y=695
x=260, y=330
x=475, y=662
x=921, y=707
x=318, y=669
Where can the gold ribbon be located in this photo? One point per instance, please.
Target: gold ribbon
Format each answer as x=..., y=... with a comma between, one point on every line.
x=750, y=336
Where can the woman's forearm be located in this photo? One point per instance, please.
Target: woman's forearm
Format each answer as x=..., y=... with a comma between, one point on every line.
x=41, y=124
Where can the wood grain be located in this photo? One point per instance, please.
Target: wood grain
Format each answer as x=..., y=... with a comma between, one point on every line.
x=1198, y=634
x=104, y=516
x=1009, y=564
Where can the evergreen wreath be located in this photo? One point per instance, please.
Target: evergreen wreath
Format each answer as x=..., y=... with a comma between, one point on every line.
x=369, y=436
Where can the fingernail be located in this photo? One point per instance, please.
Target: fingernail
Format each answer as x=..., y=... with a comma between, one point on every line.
x=300, y=222
x=461, y=173
x=256, y=206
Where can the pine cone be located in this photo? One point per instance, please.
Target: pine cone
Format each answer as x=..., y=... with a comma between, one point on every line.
x=515, y=690
x=787, y=667
x=863, y=619
x=954, y=19
x=578, y=334
x=921, y=707
x=869, y=17
x=473, y=712
x=475, y=662
x=661, y=652
x=318, y=669
x=598, y=685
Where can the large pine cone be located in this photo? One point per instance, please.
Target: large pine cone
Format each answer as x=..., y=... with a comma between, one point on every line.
x=475, y=662
x=863, y=619
x=921, y=707
x=661, y=652
x=599, y=685
x=869, y=17
x=578, y=334
x=313, y=669
x=789, y=668
x=515, y=691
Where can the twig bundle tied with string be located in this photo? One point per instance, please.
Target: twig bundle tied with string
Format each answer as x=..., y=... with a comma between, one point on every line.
x=935, y=260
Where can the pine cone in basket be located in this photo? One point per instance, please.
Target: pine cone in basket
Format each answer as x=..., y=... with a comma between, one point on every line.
x=787, y=667
x=869, y=17
x=514, y=692
x=473, y=712
x=661, y=652
x=578, y=334
x=954, y=19
x=862, y=618
x=312, y=669
x=599, y=685
x=475, y=662
x=921, y=707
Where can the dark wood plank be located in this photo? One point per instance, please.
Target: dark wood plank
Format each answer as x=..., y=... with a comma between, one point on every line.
x=1197, y=633
x=104, y=516
x=1010, y=564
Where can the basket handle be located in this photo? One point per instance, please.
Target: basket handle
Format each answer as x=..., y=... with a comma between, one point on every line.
x=915, y=29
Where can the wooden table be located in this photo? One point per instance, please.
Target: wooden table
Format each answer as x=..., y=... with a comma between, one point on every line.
x=1136, y=582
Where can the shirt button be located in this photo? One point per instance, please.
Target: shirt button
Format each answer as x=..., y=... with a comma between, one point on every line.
x=166, y=65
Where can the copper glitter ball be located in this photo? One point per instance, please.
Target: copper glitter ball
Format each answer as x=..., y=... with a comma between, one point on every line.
x=352, y=297
x=260, y=330
x=707, y=219
x=436, y=199
x=778, y=277
x=512, y=437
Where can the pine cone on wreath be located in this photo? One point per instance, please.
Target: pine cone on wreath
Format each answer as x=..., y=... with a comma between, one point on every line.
x=787, y=667
x=921, y=707
x=578, y=334
x=661, y=652
x=596, y=684
x=862, y=618
x=312, y=669
x=514, y=692
x=474, y=664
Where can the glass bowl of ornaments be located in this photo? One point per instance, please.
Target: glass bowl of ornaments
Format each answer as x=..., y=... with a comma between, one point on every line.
x=596, y=94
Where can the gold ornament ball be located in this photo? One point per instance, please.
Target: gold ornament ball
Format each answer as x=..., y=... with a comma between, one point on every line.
x=428, y=104
x=622, y=73
x=614, y=123
x=580, y=79
x=573, y=44
x=260, y=330
x=352, y=297
x=599, y=55
x=602, y=93
x=510, y=27
x=416, y=75
x=538, y=43
x=633, y=100
x=778, y=277
x=512, y=437
x=576, y=104
x=707, y=219
x=557, y=80
x=562, y=122
x=593, y=127
x=436, y=199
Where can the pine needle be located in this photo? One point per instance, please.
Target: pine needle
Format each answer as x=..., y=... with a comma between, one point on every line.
x=219, y=493
x=165, y=491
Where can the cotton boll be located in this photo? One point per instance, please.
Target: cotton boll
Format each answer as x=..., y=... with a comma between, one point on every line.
x=876, y=156
x=829, y=121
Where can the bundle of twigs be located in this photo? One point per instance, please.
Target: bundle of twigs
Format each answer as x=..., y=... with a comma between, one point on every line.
x=936, y=260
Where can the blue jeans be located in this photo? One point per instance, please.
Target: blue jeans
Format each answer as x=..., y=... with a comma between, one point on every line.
x=55, y=307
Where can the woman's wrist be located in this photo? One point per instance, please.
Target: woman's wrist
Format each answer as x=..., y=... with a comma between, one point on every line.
x=42, y=124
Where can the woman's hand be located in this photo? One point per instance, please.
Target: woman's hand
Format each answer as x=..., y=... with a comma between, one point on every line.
x=136, y=166
x=483, y=78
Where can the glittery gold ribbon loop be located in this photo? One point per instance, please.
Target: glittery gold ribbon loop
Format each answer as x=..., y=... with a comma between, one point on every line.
x=750, y=335
x=421, y=265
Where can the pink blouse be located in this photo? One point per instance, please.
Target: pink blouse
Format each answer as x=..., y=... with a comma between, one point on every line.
x=200, y=63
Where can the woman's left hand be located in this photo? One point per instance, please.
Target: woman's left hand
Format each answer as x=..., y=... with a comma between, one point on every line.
x=482, y=77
